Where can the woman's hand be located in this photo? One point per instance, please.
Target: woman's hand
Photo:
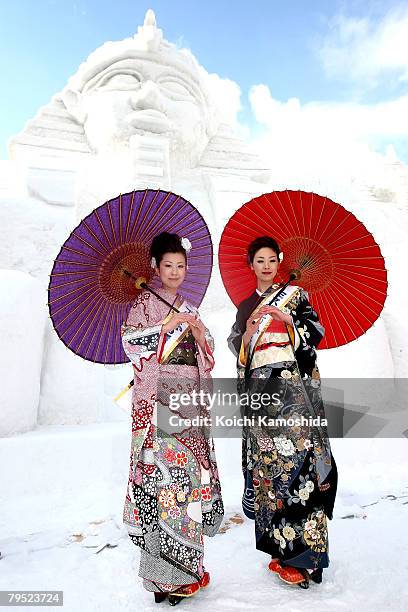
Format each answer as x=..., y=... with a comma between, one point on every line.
x=252, y=326
x=275, y=313
x=198, y=331
x=176, y=320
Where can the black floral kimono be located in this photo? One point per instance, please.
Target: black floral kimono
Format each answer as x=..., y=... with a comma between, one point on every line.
x=290, y=474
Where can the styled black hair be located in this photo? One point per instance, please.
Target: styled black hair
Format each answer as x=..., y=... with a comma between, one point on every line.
x=260, y=243
x=166, y=243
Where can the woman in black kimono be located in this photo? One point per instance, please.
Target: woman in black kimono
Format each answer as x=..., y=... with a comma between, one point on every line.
x=290, y=474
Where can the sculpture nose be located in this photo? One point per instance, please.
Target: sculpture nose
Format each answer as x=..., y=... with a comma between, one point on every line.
x=148, y=96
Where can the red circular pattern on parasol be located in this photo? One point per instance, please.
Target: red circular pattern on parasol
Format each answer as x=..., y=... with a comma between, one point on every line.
x=340, y=263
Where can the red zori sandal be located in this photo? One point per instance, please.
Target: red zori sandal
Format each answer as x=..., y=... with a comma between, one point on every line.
x=275, y=566
x=186, y=591
x=205, y=580
x=291, y=575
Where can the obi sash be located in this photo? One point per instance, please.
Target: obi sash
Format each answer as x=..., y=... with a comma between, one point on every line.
x=141, y=344
x=272, y=342
x=168, y=344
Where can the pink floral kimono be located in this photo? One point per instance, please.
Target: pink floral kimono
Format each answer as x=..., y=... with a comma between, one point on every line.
x=173, y=496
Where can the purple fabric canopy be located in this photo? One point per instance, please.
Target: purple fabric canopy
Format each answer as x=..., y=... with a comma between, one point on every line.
x=89, y=295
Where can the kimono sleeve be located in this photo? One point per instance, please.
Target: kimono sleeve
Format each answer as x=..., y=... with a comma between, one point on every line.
x=207, y=355
x=308, y=331
x=235, y=338
x=142, y=332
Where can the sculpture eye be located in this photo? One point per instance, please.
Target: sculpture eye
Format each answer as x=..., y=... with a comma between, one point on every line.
x=119, y=81
x=175, y=89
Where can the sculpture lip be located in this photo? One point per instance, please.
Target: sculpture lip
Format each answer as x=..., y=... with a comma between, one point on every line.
x=149, y=118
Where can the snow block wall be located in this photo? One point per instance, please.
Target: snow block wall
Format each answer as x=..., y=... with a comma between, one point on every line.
x=22, y=321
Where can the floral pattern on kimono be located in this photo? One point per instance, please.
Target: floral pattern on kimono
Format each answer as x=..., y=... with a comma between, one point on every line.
x=173, y=495
x=290, y=474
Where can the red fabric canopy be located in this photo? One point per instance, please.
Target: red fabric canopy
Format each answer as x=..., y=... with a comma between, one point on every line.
x=340, y=263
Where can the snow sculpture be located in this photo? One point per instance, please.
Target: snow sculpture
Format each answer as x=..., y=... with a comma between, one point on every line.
x=138, y=113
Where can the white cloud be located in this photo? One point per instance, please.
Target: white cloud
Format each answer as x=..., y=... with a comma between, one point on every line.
x=334, y=141
x=364, y=49
x=343, y=141
x=226, y=95
x=344, y=121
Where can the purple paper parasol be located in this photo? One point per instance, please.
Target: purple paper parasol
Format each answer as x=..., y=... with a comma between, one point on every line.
x=89, y=294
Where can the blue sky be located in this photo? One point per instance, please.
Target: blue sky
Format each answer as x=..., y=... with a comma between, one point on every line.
x=298, y=49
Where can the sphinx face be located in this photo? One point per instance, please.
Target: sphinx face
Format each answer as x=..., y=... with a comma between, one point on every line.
x=145, y=97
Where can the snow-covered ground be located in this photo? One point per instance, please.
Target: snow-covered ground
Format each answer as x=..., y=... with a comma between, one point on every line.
x=62, y=491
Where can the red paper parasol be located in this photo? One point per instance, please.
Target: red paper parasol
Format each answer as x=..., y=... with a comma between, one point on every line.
x=340, y=264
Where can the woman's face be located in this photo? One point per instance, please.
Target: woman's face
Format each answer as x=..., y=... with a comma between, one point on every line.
x=172, y=270
x=265, y=264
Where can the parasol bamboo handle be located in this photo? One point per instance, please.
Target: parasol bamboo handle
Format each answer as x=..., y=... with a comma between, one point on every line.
x=140, y=283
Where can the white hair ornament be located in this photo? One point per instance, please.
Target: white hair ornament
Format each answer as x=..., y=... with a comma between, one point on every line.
x=186, y=244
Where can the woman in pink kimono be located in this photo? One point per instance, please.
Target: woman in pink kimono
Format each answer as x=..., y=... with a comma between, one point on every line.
x=174, y=495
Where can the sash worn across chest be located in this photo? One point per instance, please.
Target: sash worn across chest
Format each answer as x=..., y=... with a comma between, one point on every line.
x=176, y=337
x=143, y=343
x=271, y=343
